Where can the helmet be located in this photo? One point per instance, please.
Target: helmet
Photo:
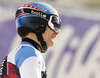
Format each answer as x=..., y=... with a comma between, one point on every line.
x=34, y=17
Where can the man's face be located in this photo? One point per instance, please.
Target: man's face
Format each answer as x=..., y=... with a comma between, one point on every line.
x=49, y=36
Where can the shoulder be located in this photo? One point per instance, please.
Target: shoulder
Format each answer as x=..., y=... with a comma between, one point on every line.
x=26, y=51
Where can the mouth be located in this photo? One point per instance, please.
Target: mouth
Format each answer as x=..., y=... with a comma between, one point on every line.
x=53, y=36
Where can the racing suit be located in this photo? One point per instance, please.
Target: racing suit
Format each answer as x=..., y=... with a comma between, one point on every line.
x=25, y=61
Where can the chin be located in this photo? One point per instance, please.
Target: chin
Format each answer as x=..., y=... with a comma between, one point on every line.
x=50, y=45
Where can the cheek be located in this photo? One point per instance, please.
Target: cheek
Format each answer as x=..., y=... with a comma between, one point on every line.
x=47, y=36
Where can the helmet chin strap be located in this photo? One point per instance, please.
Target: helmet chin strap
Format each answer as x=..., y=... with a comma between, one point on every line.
x=43, y=43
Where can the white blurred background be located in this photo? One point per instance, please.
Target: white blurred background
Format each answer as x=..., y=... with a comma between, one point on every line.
x=76, y=52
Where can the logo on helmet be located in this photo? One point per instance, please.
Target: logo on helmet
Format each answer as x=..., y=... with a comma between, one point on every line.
x=38, y=14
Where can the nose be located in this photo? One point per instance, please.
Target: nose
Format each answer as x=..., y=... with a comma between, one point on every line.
x=56, y=33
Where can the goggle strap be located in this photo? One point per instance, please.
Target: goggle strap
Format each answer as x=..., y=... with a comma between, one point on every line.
x=34, y=12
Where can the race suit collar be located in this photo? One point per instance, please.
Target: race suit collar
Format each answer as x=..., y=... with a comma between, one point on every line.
x=36, y=45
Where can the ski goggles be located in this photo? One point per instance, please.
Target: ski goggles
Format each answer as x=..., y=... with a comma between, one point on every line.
x=54, y=23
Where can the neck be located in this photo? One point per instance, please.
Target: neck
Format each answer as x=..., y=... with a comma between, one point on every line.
x=33, y=37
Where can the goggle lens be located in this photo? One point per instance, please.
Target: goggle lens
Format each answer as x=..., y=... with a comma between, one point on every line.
x=54, y=23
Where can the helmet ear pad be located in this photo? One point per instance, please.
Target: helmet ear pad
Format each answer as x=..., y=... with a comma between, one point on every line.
x=33, y=24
